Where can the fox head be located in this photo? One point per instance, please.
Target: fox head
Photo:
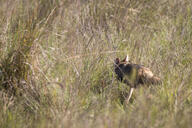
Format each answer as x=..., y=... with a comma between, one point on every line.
x=119, y=65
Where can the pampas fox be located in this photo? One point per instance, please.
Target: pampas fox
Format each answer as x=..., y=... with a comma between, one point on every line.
x=134, y=74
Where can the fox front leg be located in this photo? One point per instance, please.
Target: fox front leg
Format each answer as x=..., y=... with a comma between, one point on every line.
x=130, y=94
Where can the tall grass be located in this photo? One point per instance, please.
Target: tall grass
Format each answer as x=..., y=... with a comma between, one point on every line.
x=56, y=62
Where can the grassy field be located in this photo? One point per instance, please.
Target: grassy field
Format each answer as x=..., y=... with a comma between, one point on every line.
x=56, y=63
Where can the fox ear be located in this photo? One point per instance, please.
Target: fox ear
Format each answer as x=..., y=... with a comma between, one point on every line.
x=126, y=59
x=117, y=61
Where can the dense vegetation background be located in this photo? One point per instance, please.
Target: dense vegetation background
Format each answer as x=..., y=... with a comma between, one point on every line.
x=56, y=63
